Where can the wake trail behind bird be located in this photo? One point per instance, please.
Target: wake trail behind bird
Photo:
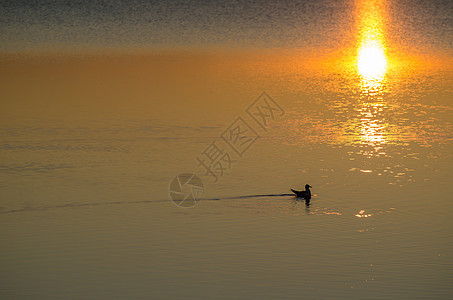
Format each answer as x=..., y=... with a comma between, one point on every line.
x=80, y=205
x=248, y=196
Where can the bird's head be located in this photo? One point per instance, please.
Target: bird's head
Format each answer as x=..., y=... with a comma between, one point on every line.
x=307, y=186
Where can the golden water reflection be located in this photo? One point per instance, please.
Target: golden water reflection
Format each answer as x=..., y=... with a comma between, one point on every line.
x=370, y=96
x=362, y=214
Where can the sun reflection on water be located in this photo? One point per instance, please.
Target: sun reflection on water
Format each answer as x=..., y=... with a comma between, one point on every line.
x=371, y=57
x=371, y=60
x=372, y=66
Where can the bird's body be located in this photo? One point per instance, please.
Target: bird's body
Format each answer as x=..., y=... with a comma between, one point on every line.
x=303, y=194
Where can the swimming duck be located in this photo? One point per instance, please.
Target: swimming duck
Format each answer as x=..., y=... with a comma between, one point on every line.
x=303, y=194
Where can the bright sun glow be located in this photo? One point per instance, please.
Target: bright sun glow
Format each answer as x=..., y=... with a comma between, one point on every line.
x=372, y=62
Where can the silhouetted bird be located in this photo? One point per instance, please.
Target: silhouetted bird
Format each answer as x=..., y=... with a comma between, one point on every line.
x=303, y=194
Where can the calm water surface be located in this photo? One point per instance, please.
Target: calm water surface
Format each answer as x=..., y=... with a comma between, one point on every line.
x=89, y=144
